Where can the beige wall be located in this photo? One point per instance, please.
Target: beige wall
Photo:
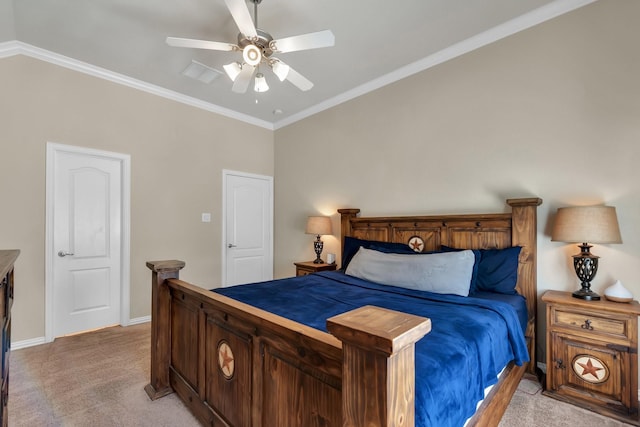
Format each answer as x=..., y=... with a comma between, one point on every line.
x=552, y=112
x=177, y=156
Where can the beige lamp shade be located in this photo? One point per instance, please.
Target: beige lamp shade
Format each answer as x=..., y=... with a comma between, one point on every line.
x=319, y=225
x=586, y=224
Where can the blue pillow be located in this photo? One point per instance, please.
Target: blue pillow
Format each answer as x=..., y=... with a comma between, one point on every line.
x=498, y=270
x=404, y=250
x=351, y=246
x=495, y=270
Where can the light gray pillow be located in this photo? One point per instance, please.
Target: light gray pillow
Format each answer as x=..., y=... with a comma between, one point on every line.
x=442, y=273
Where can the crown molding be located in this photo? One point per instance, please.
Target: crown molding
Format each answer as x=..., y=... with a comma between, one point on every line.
x=16, y=47
x=523, y=22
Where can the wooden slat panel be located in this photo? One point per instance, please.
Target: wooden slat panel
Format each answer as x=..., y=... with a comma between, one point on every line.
x=230, y=394
x=372, y=233
x=309, y=401
x=611, y=388
x=429, y=233
x=473, y=238
x=184, y=341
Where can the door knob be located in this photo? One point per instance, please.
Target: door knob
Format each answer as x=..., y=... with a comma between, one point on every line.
x=63, y=254
x=231, y=245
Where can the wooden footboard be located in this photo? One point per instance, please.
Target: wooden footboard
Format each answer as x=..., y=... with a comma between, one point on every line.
x=235, y=365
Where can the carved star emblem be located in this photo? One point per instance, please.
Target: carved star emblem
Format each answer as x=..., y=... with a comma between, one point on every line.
x=226, y=360
x=590, y=369
x=416, y=244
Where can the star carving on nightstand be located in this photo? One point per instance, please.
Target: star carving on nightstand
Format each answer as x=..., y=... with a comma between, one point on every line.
x=590, y=368
x=226, y=360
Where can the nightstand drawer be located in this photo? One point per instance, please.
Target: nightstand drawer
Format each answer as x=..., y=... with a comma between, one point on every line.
x=588, y=322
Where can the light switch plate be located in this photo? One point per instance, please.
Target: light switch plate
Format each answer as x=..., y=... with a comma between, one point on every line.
x=206, y=217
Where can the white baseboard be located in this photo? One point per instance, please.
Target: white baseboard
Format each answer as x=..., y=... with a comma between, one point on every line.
x=139, y=320
x=27, y=343
x=40, y=340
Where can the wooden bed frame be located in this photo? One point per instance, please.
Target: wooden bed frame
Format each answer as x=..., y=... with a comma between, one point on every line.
x=236, y=365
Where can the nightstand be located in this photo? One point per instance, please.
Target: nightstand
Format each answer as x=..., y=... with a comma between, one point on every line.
x=304, y=268
x=592, y=354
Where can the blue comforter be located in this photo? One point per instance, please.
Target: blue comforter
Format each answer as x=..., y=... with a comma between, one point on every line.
x=470, y=342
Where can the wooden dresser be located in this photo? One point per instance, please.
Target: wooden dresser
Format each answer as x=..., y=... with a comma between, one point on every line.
x=7, y=259
x=592, y=354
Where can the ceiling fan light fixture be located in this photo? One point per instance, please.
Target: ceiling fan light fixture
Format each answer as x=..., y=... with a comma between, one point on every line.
x=281, y=70
x=232, y=70
x=257, y=46
x=252, y=55
x=261, y=83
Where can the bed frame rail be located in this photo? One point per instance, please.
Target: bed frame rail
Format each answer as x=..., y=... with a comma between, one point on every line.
x=236, y=365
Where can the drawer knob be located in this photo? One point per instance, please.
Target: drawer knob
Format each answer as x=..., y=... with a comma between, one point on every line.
x=587, y=325
x=559, y=364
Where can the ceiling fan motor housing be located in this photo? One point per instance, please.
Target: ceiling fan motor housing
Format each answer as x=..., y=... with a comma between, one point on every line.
x=263, y=42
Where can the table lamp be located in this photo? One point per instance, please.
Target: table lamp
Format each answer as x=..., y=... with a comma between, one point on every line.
x=584, y=225
x=318, y=225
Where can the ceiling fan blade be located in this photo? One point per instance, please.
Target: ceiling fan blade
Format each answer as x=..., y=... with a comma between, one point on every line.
x=240, y=13
x=241, y=82
x=298, y=80
x=199, y=44
x=304, y=41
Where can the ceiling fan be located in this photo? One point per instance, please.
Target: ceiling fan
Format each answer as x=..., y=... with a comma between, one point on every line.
x=257, y=48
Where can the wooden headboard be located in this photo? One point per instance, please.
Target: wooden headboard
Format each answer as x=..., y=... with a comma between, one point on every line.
x=465, y=231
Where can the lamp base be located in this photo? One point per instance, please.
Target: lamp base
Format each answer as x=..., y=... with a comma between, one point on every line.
x=586, y=294
x=586, y=266
x=317, y=247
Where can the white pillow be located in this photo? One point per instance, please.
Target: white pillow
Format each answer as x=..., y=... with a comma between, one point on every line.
x=443, y=273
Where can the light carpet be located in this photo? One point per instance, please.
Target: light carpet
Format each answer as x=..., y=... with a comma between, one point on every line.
x=94, y=379
x=529, y=407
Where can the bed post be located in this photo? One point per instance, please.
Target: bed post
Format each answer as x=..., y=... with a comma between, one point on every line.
x=524, y=233
x=345, y=223
x=378, y=369
x=160, y=326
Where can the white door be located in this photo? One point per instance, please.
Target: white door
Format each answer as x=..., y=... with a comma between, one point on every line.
x=247, y=228
x=85, y=199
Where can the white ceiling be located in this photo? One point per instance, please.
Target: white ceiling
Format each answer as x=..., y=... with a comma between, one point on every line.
x=377, y=42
